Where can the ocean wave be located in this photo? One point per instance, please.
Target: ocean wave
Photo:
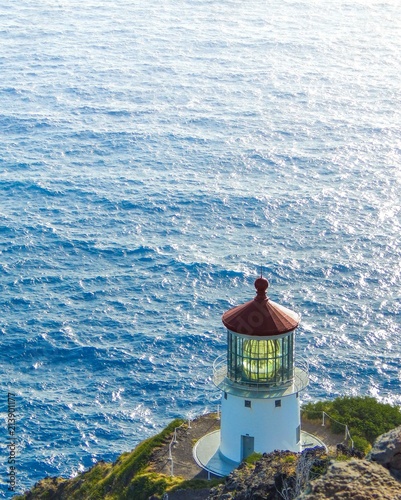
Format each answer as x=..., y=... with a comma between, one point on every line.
x=146, y=177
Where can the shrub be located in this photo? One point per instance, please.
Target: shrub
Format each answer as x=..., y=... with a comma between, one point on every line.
x=313, y=411
x=361, y=444
x=253, y=458
x=366, y=417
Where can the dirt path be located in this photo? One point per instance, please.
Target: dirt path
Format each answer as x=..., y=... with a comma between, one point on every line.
x=322, y=432
x=184, y=464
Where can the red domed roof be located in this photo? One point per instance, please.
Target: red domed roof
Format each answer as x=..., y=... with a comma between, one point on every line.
x=261, y=316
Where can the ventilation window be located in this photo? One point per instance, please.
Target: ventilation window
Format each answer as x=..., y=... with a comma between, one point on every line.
x=278, y=403
x=247, y=403
x=225, y=395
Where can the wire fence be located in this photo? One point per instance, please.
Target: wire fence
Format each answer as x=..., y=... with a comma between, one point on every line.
x=325, y=416
x=174, y=439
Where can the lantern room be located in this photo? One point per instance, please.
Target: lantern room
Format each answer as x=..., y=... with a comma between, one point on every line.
x=260, y=361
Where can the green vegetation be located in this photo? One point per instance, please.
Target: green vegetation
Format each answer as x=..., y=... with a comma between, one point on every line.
x=343, y=458
x=132, y=476
x=365, y=416
x=319, y=467
x=197, y=484
x=253, y=458
x=129, y=477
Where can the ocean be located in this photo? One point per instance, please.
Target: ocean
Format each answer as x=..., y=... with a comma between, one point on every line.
x=153, y=155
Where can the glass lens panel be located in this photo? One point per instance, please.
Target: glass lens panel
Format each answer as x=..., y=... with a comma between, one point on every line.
x=262, y=360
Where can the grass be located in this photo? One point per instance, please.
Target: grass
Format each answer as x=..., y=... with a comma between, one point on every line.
x=126, y=479
x=130, y=477
x=253, y=458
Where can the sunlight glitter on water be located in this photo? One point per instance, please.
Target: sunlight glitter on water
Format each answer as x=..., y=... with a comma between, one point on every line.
x=154, y=156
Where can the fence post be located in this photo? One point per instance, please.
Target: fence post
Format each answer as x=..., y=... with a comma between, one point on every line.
x=218, y=412
x=323, y=418
x=189, y=423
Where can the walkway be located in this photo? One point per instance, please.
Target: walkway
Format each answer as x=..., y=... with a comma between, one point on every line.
x=183, y=463
x=207, y=454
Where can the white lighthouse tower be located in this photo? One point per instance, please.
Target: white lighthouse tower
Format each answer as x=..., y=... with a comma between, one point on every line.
x=259, y=378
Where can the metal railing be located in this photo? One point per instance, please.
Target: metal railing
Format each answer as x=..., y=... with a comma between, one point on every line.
x=325, y=415
x=298, y=382
x=347, y=433
x=174, y=440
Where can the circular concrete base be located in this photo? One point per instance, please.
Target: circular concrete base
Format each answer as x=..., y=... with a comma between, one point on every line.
x=207, y=454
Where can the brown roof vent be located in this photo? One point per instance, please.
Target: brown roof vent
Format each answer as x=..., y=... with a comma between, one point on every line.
x=261, y=316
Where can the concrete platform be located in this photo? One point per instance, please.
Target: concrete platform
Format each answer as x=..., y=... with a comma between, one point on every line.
x=207, y=454
x=310, y=441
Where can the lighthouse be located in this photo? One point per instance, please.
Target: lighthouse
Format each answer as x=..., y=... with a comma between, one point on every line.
x=259, y=378
x=260, y=381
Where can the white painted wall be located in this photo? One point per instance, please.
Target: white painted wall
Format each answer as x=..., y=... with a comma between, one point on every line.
x=273, y=428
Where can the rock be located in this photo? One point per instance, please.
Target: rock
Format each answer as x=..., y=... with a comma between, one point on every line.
x=342, y=449
x=187, y=494
x=354, y=480
x=387, y=451
x=273, y=476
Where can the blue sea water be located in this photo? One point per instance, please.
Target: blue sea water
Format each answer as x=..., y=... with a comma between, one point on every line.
x=152, y=156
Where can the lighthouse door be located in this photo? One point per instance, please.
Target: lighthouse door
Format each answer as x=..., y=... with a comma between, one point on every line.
x=248, y=444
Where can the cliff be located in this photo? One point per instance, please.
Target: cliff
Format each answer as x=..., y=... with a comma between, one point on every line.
x=312, y=475
x=356, y=480
x=128, y=478
x=142, y=473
